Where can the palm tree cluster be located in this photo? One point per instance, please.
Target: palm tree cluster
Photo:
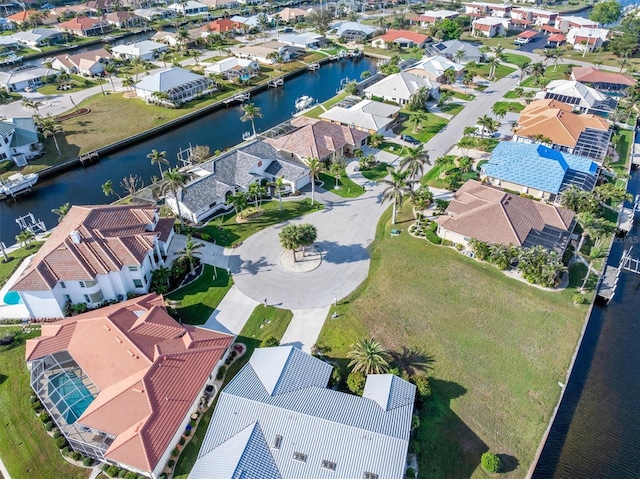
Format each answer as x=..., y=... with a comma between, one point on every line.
x=293, y=237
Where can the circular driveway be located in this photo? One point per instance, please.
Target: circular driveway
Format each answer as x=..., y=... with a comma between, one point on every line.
x=345, y=228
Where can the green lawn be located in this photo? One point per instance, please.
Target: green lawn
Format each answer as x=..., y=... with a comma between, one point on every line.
x=432, y=177
x=501, y=71
x=347, y=189
x=26, y=449
x=463, y=96
x=515, y=59
x=201, y=297
x=319, y=110
x=452, y=108
x=79, y=83
x=623, y=147
x=231, y=232
x=512, y=95
x=430, y=127
x=500, y=347
x=512, y=105
x=15, y=258
x=376, y=173
x=251, y=335
x=549, y=74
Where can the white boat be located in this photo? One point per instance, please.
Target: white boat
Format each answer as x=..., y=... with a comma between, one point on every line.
x=304, y=102
x=17, y=183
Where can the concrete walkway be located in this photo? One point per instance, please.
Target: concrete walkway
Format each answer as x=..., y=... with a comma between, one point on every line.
x=305, y=327
x=232, y=313
x=3, y=471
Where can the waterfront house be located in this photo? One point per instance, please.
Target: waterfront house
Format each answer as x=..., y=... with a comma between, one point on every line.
x=190, y=7
x=494, y=216
x=304, y=40
x=171, y=38
x=582, y=135
x=26, y=76
x=366, y=115
x=232, y=68
x=29, y=17
x=450, y=48
x=39, y=37
x=481, y=9
x=153, y=13
x=293, y=15
x=222, y=26
x=176, y=85
x=145, y=50
x=214, y=181
x=353, y=31
x=278, y=419
x=535, y=16
x=490, y=26
x=123, y=19
x=401, y=38
x=85, y=26
x=429, y=18
x=537, y=170
x=564, y=23
x=262, y=52
x=588, y=39
x=400, y=87
x=434, y=68
x=96, y=253
x=581, y=97
x=91, y=63
x=319, y=139
x=601, y=80
x=19, y=141
x=121, y=382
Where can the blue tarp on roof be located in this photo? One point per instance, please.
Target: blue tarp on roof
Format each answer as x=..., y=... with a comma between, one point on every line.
x=535, y=166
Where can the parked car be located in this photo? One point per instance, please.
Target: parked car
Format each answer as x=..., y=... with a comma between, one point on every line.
x=409, y=139
x=521, y=41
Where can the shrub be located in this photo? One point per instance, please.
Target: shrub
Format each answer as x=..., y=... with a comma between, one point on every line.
x=122, y=473
x=269, y=342
x=411, y=473
x=187, y=432
x=48, y=426
x=5, y=165
x=33, y=399
x=423, y=387
x=61, y=442
x=490, y=462
x=175, y=451
x=182, y=441
x=205, y=236
x=171, y=463
x=75, y=455
x=130, y=475
x=105, y=467
x=336, y=376
x=414, y=447
x=65, y=451
x=87, y=461
x=355, y=383
x=36, y=405
x=163, y=476
x=579, y=299
x=415, y=422
x=44, y=418
x=80, y=308
x=221, y=372
x=233, y=354
x=112, y=471
x=57, y=434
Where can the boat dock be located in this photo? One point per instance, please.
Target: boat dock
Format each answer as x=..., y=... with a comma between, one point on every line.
x=87, y=158
x=275, y=83
x=626, y=217
x=241, y=97
x=606, y=288
x=313, y=67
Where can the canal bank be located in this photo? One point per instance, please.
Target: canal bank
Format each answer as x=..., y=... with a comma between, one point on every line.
x=218, y=129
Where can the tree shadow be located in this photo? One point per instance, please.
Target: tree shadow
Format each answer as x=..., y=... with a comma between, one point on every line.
x=413, y=361
x=240, y=266
x=3, y=378
x=333, y=252
x=508, y=463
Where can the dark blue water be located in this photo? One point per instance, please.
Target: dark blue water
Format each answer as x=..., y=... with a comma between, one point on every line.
x=218, y=130
x=596, y=433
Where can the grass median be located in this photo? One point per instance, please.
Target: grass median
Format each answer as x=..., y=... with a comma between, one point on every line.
x=500, y=347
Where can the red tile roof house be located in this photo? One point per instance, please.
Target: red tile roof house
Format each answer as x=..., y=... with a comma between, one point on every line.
x=319, y=139
x=223, y=25
x=84, y=26
x=96, y=253
x=404, y=38
x=122, y=382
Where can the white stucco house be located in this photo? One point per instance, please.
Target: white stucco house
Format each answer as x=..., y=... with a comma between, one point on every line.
x=19, y=140
x=176, y=85
x=96, y=253
x=25, y=76
x=145, y=50
x=232, y=68
x=399, y=87
x=190, y=7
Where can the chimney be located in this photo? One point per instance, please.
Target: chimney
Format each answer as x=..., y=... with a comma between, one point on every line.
x=75, y=236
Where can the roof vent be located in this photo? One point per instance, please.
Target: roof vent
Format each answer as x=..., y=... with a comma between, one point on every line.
x=75, y=236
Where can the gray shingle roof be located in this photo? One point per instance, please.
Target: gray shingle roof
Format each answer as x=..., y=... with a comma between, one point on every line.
x=26, y=132
x=354, y=432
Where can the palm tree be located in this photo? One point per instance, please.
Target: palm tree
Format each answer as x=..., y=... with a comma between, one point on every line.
x=336, y=171
x=493, y=64
x=174, y=180
x=163, y=57
x=190, y=252
x=49, y=128
x=182, y=37
x=251, y=112
x=397, y=187
x=417, y=118
x=443, y=161
x=129, y=83
x=414, y=161
x=62, y=211
x=33, y=104
x=460, y=55
x=278, y=184
x=315, y=168
x=368, y=356
x=307, y=235
x=487, y=123
x=264, y=23
x=375, y=139
x=289, y=239
x=537, y=71
x=158, y=157
x=419, y=99
x=25, y=238
x=465, y=163
x=500, y=110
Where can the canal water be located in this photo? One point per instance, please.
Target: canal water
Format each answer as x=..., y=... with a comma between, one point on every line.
x=596, y=433
x=219, y=130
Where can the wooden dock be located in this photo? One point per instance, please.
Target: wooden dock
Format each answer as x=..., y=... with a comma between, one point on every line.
x=275, y=83
x=608, y=282
x=89, y=158
x=241, y=97
x=313, y=67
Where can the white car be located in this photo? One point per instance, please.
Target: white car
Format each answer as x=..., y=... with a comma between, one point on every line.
x=521, y=41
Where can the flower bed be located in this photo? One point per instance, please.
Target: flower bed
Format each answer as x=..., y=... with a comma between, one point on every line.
x=73, y=114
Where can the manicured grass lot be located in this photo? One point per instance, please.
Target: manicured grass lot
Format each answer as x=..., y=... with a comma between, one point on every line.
x=619, y=167
x=348, y=189
x=233, y=232
x=430, y=127
x=15, y=258
x=201, y=297
x=516, y=59
x=26, y=449
x=512, y=105
x=511, y=95
x=549, y=74
x=463, y=96
x=251, y=335
x=376, y=173
x=500, y=347
x=452, y=108
x=501, y=71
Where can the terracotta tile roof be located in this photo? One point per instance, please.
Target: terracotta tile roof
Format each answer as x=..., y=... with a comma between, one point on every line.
x=22, y=16
x=593, y=75
x=393, y=35
x=157, y=369
x=528, y=34
x=555, y=120
x=317, y=139
x=557, y=38
x=494, y=216
x=111, y=237
x=80, y=23
x=222, y=25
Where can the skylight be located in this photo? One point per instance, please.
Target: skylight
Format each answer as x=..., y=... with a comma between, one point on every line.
x=328, y=465
x=298, y=456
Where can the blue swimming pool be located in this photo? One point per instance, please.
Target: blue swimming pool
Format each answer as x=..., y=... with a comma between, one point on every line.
x=70, y=395
x=12, y=298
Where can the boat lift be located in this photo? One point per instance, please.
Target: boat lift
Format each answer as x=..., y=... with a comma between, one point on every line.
x=608, y=282
x=29, y=223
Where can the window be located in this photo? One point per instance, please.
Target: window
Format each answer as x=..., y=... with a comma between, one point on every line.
x=328, y=465
x=82, y=285
x=3, y=156
x=67, y=298
x=6, y=140
x=137, y=283
x=87, y=299
x=133, y=268
x=370, y=475
x=298, y=456
x=277, y=442
x=62, y=285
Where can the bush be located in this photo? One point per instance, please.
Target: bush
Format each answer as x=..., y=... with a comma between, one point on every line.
x=87, y=461
x=36, y=405
x=187, y=432
x=65, y=451
x=171, y=463
x=423, y=388
x=33, y=399
x=48, y=426
x=221, y=372
x=44, y=418
x=182, y=441
x=490, y=462
x=122, y=473
x=57, y=434
x=105, y=467
x=336, y=376
x=112, y=471
x=579, y=299
x=75, y=455
x=175, y=451
x=414, y=447
x=5, y=165
x=269, y=342
x=411, y=473
x=130, y=475
x=355, y=383
x=61, y=442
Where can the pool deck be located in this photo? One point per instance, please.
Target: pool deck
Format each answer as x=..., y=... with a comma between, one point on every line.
x=13, y=311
